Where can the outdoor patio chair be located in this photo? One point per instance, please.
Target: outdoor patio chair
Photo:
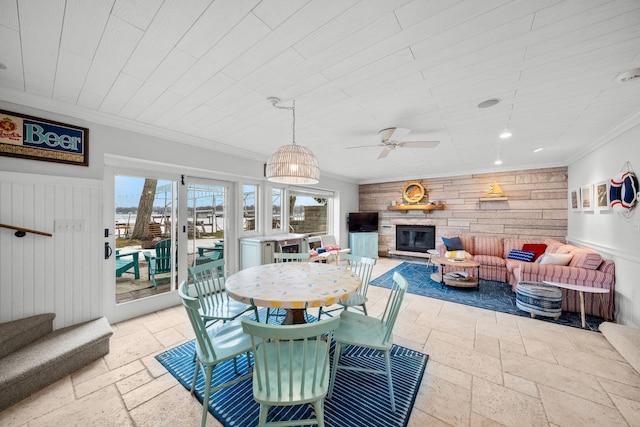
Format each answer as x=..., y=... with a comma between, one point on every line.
x=363, y=267
x=160, y=261
x=369, y=332
x=195, y=230
x=285, y=257
x=291, y=367
x=126, y=262
x=155, y=230
x=214, y=346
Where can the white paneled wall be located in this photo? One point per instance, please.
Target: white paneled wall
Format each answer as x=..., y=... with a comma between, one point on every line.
x=60, y=274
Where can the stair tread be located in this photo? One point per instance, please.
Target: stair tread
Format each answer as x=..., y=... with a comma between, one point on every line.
x=19, y=333
x=43, y=362
x=53, y=346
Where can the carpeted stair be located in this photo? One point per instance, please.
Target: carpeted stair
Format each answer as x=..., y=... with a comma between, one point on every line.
x=33, y=356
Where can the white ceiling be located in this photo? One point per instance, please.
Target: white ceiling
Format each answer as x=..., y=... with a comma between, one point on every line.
x=200, y=71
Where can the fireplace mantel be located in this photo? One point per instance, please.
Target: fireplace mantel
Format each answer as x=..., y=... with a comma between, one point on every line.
x=425, y=208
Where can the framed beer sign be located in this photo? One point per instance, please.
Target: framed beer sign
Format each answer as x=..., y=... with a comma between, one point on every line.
x=39, y=139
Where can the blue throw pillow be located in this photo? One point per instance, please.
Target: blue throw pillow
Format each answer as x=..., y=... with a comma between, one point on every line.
x=453, y=243
x=521, y=255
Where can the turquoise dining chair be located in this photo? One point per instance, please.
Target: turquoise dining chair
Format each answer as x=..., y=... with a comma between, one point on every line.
x=291, y=366
x=214, y=346
x=362, y=266
x=215, y=303
x=369, y=332
x=285, y=257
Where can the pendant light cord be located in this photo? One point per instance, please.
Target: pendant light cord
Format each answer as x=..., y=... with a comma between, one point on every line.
x=293, y=109
x=275, y=102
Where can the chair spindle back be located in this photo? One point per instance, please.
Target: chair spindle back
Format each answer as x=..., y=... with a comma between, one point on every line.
x=209, y=279
x=192, y=305
x=394, y=304
x=291, y=361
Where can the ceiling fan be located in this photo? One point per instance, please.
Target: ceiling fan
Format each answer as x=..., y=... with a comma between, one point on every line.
x=392, y=138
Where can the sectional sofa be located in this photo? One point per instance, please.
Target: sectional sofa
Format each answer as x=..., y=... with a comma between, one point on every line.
x=585, y=267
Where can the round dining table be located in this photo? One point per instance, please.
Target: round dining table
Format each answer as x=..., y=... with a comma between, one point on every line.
x=294, y=286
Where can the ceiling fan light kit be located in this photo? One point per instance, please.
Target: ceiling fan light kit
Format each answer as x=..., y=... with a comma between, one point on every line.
x=488, y=103
x=292, y=163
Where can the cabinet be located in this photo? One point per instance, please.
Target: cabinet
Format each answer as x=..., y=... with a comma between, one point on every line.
x=364, y=244
x=255, y=252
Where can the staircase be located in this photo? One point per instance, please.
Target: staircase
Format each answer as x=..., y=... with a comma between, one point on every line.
x=33, y=356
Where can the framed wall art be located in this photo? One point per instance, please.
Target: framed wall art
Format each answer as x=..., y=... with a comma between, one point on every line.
x=602, y=196
x=39, y=139
x=413, y=192
x=574, y=200
x=586, y=198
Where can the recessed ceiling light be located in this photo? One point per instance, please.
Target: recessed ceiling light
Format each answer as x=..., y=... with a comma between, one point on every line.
x=497, y=162
x=2, y=66
x=629, y=75
x=488, y=103
x=505, y=134
x=537, y=150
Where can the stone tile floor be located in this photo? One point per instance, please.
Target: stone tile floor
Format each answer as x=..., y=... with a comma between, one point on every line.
x=485, y=369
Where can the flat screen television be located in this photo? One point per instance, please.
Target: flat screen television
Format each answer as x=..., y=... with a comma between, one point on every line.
x=363, y=222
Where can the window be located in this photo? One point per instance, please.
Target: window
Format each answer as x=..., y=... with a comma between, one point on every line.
x=309, y=212
x=277, y=207
x=249, y=214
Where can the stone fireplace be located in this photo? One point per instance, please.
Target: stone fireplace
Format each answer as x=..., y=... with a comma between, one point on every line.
x=415, y=238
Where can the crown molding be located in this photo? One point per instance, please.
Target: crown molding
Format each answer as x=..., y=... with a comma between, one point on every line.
x=469, y=172
x=629, y=122
x=75, y=112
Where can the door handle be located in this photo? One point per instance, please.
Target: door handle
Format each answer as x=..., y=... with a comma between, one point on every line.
x=107, y=250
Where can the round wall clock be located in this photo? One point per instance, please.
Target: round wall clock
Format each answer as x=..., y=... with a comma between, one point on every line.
x=413, y=192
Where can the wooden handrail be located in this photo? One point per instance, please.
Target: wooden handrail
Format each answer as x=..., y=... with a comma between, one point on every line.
x=20, y=232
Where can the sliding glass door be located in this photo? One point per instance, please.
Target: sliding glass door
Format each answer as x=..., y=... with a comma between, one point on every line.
x=146, y=248
x=163, y=227
x=204, y=205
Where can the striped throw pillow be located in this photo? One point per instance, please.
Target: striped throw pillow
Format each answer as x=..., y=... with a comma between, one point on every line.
x=521, y=255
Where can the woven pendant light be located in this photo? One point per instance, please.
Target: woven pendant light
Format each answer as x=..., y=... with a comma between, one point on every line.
x=292, y=163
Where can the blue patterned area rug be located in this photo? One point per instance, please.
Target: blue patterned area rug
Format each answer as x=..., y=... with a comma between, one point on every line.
x=491, y=295
x=359, y=399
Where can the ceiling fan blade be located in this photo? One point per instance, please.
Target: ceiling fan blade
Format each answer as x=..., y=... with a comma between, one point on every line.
x=385, y=152
x=419, y=144
x=399, y=134
x=363, y=146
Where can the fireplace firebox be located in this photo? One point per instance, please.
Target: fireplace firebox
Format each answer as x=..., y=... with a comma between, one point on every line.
x=415, y=238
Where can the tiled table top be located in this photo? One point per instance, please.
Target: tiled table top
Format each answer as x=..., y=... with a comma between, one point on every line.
x=293, y=285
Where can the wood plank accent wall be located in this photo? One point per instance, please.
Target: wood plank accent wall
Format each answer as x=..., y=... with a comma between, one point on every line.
x=61, y=274
x=536, y=205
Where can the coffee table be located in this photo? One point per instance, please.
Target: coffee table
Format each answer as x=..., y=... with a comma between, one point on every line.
x=452, y=263
x=581, y=289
